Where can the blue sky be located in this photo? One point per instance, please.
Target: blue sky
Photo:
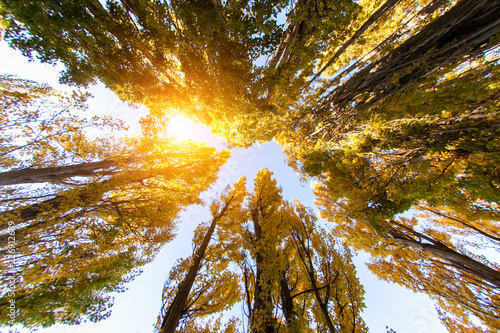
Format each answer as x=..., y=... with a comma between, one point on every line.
x=135, y=310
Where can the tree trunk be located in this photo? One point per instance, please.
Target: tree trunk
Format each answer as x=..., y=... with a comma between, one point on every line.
x=284, y=48
x=305, y=257
x=464, y=30
x=176, y=309
x=386, y=7
x=55, y=174
x=31, y=212
x=440, y=250
x=416, y=20
x=262, y=310
x=459, y=221
x=287, y=301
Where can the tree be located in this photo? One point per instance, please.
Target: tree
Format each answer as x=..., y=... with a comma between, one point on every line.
x=90, y=227
x=431, y=147
x=422, y=256
x=436, y=143
x=280, y=281
x=461, y=299
x=337, y=111
x=271, y=256
x=179, y=306
x=129, y=213
x=50, y=135
x=310, y=30
x=330, y=273
x=47, y=129
x=390, y=104
x=175, y=56
x=462, y=32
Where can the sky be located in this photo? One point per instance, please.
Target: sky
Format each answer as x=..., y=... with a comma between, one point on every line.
x=136, y=310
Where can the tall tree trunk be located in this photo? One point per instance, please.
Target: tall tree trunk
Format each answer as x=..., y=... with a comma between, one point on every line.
x=56, y=174
x=386, y=7
x=287, y=301
x=92, y=192
x=416, y=20
x=306, y=258
x=459, y=221
x=455, y=259
x=31, y=212
x=284, y=48
x=176, y=309
x=262, y=310
x=464, y=30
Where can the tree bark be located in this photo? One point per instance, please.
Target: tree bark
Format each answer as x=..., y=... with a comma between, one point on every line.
x=459, y=221
x=283, y=50
x=287, y=301
x=31, y=212
x=305, y=257
x=416, y=20
x=55, y=174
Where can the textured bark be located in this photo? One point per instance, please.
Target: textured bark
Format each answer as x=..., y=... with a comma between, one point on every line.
x=31, y=212
x=88, y=193
x=55, y=174
x=463, y=31
x=305, y=257
x=459, y=221
x=322, y=304
x=293, y=31
x=406, y=28
x=84, y=196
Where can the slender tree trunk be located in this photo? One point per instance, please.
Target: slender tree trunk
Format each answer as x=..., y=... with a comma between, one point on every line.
x=176, y=309
x=284, y=48
x=440, y=250
x=31, y=212
x=322, y=305
x=90, y=193
x=459, y=221
x=386, y=7
x=464, y=30
x=305, y=257
x=262, y=315
x=416, y=20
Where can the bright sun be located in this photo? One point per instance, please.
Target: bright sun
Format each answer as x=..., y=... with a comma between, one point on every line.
x=184, y=128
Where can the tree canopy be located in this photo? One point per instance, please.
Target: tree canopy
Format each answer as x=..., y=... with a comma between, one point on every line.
x=291, y=275
x=391, y=107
